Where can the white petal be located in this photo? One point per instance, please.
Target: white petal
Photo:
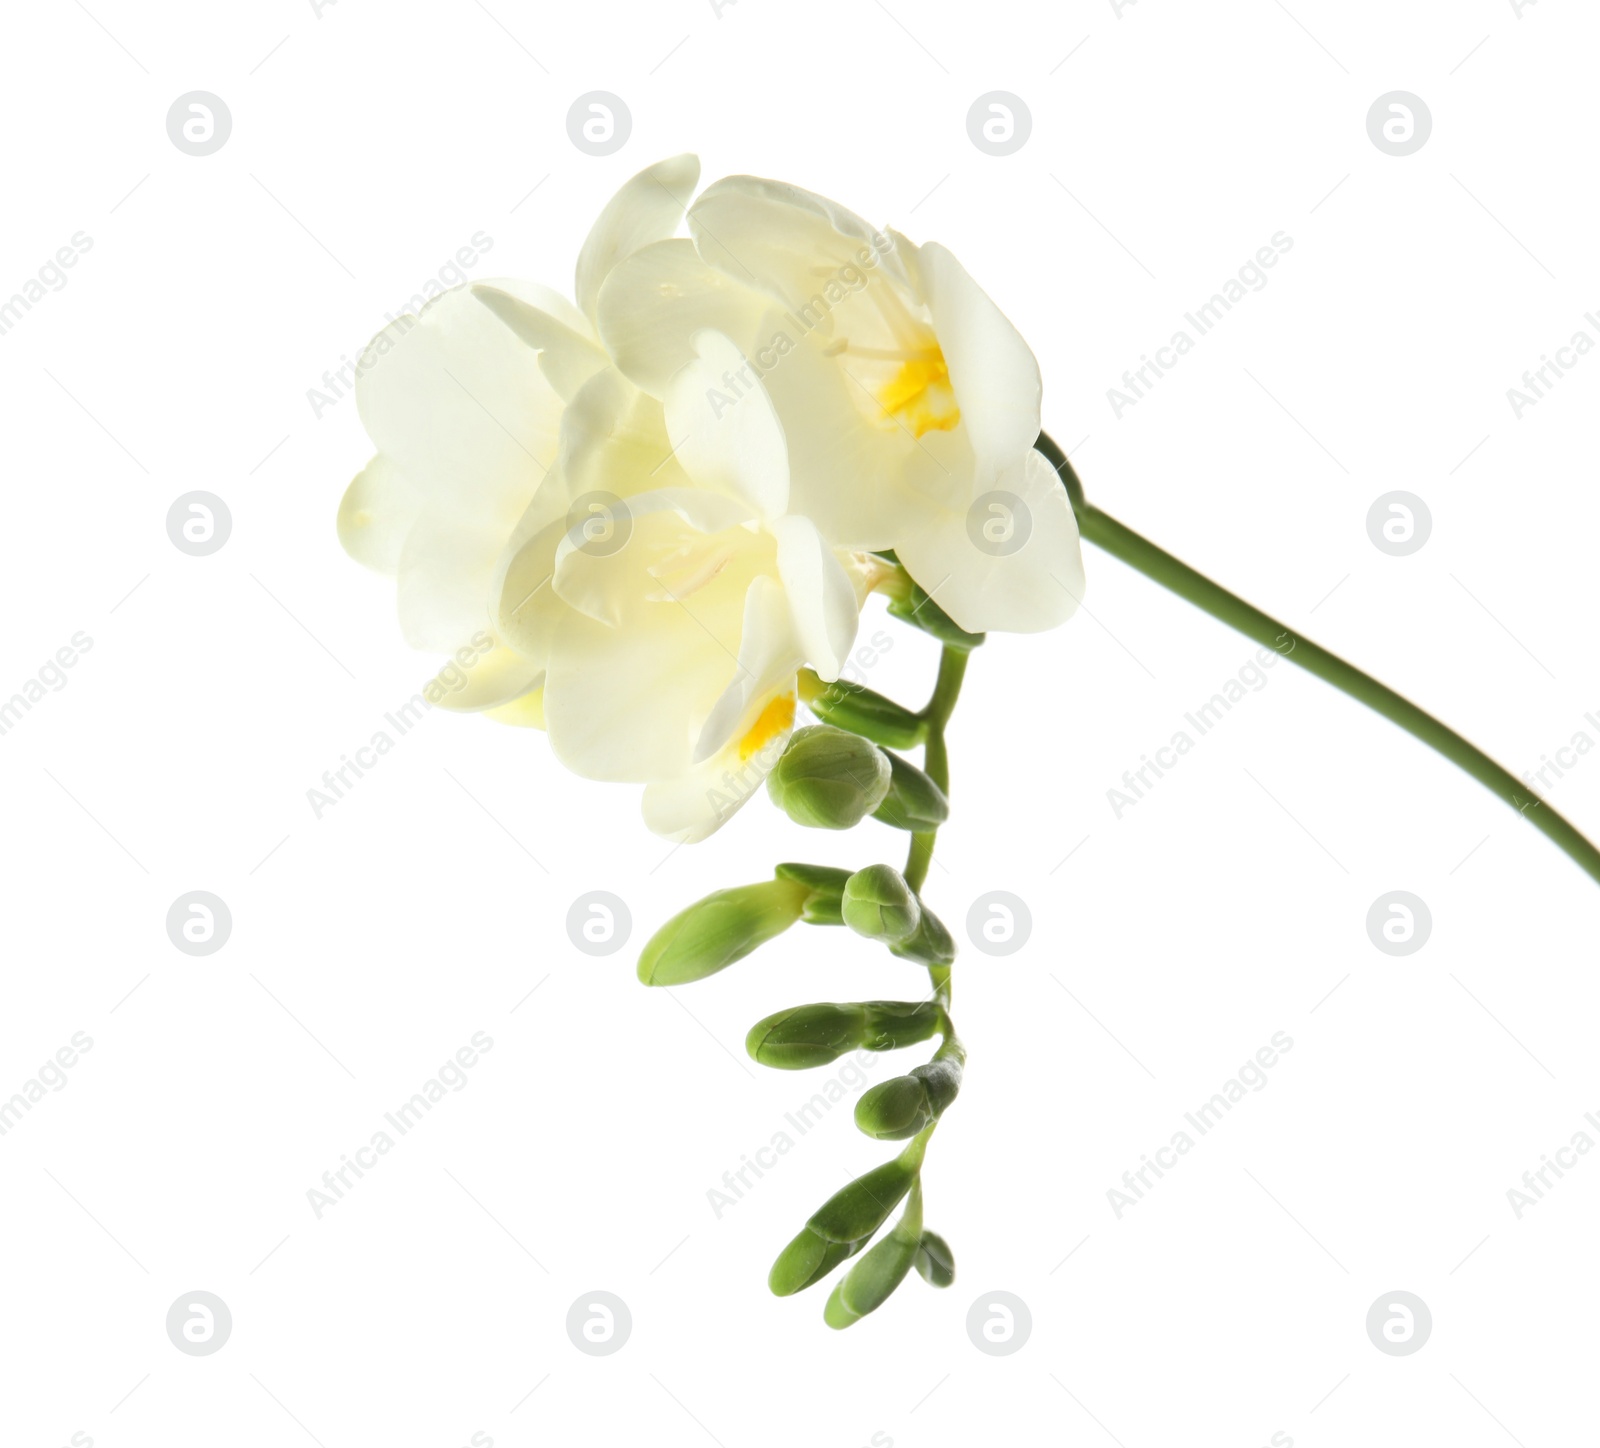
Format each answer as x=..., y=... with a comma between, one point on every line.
x=481, y=674
x=378, y=510
x=844, y=466
x=628, y=703
x=446, y=568
x=567, y=356
x=696, y=805
x=654, y=302
x=1035, y=587
x=773, y=236
x=724, y=427
x=822, y=599
x=768, y=656
x=645, y=549
x=992, y=371
x=457, y=402
x=614, y=440
x=647, y=208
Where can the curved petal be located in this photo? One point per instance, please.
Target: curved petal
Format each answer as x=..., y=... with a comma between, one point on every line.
x=696, y=804
x=627, y=703
x=446, y=567
x=614, y=440
x=655, y=301
x=457, y=401
x=474, y=678
x=647, y=208
x=526, y=711
x=656, y=547
x=985, y=583
x=992, y=371
x=567, y=356
x=773, y=236
x=725, y=429
x=378, y=510
x=768, y=655
x=822, y=599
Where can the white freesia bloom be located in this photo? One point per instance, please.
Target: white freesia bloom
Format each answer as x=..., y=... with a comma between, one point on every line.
x=622, y=566
x=909, y=403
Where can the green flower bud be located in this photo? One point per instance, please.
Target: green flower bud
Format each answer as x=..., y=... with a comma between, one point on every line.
x=724, y=927
x=935, y=1261
x=894, y=1110
x=914, y=802
x=805, y=1036
x=826, y=885
x=879, y=904
x=814, y=1035
x=828, y=778
x=870, y=1283
x=807, y=1260
x=929, y=944
x=899, y=1108
x=858, y=709
x=858, y=1209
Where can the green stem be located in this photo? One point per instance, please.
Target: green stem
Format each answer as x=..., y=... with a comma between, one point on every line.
x=1138, y=552
x=936, y=765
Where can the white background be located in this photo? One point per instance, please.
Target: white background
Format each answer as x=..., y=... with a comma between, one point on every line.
x=368, y=945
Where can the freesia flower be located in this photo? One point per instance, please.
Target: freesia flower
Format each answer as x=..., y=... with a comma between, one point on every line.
x=650, y=604
x=909, y=403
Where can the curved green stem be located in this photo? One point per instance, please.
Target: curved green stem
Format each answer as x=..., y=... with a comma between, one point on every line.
x=1138, y=552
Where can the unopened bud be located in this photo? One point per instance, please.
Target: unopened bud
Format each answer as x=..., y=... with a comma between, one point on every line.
x=858, y=709
x=899, y=1108
x=914, y=802
x=814, y=1035
x=805, y=1036
x=871, y=1282
x=858, y=1209
x=829, y=778
x=807, y=1259
x=935, y=1261
x=879, y=904
x=724, y=927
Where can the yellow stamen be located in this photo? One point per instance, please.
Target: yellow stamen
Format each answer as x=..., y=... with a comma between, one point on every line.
x=920, y=396
x=770, y=723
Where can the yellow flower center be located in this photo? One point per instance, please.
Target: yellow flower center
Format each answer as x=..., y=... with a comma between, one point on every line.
x=919, y=395
x=770, y=723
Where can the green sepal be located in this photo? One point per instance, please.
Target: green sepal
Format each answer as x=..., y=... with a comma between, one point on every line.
x=929, y=944
x=913, y=802
x=857, y=708
x=910, y=603
x=827, y=891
